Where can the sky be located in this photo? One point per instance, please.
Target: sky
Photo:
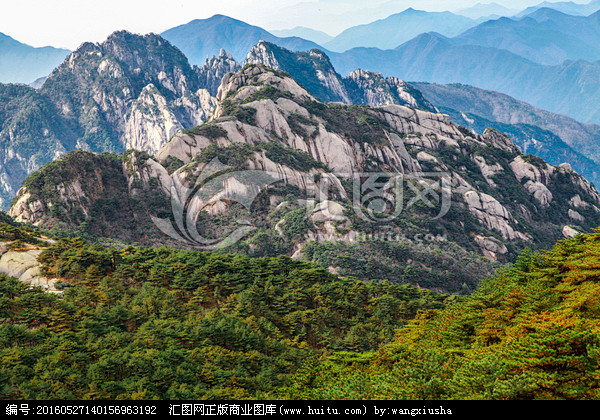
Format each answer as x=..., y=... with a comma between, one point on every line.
x=68, y=23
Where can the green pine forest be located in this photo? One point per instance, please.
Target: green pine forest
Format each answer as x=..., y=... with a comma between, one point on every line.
x=160, y=323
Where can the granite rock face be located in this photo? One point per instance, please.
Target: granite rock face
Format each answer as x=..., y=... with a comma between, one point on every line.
x=213, y=70
x=313, y=69
x=23, y=264
x=266, y=122
x=129, y=91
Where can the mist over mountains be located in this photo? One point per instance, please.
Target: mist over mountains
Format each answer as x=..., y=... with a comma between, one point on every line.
x=385, y=34
x=21, y=63
x=567, y=7
x=505, y=55
x=545, y=36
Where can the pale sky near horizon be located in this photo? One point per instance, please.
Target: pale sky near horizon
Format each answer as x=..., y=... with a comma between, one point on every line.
x=68, y=23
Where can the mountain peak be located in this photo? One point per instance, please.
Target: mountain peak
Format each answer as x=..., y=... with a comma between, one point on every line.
x=312, y=69
x=545, y=13
x=374, y=89
x=315, y=72
x=212, y=71
x=131, y=51
x=216, y=19
x=426, y=39
x=202, y=38
x=253, y=77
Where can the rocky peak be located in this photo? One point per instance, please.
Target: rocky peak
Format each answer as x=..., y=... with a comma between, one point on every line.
x=135, y=59
x=128, y=91
x=264, y=53
x=141, y=85
x=215, y=68
x=266, y=121
x=373, y=89
x=311, y=69
x=254, y=77
x=314, y=70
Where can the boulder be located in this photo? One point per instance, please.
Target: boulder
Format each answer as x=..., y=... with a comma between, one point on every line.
x=24, y=266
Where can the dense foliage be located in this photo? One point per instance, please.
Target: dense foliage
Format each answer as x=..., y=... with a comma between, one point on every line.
x=163, y=323
x=531, y=332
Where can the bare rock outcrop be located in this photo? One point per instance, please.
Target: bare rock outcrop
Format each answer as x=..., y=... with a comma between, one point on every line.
x=492, y=214
x=23, y=264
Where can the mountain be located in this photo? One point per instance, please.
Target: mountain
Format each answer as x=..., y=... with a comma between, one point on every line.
x=555, y=138
x=214, y=68
x=533, y=140
x=545, y=36
x=398, y=28
x=274, y=171
x=203, y=38
x=21, y=63
x=524, y=335
x=244, y=325
x=137, y=92
x=483, y=10
x=311, y=69
x=314, y=71
x=130, y=91
x=313, y=35
x=571, y=88
x=567, y=7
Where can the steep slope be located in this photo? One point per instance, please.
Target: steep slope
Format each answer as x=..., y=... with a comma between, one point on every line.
x=21, y=63
x=546, y=36
x=128, y=92
x=31, y=136
x=373, y=89
x=398, y=28
x=212, y=71
x=571, y=88
x=311, y=69
x=275, y=171
x=314, y=71
x=530, y=333
x=203, y=38
x=477, y=109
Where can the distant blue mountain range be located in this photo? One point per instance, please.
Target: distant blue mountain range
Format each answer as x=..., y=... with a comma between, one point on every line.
x=567, y=7
x=547, y=58
x=477, y=57
x=307, y=33
x=398, y=28
x=202, y=38
x=21, y=63
x=571, y=88
x=545, y=36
